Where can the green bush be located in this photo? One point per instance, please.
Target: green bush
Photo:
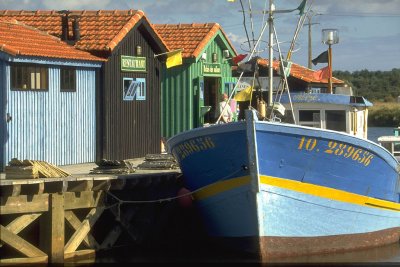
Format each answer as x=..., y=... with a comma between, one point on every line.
x=384, y=115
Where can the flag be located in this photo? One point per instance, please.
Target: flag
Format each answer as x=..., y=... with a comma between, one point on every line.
x=301, y=7
x=244, y=95
x=322, y=73
x=322, y=58
x=238, y=58
x=287, y=66
x=174, y=58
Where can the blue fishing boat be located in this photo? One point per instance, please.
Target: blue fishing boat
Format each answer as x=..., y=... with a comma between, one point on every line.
x=276, y=189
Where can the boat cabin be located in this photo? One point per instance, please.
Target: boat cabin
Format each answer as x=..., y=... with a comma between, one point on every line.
x=328, y=111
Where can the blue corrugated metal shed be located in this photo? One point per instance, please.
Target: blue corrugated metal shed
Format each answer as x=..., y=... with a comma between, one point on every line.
x=51, y=125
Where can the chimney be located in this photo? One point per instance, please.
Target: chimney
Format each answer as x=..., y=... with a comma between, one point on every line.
x=64, y=24
x=75, y=29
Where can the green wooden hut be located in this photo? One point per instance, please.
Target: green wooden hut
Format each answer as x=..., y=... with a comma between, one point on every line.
x=191, y=91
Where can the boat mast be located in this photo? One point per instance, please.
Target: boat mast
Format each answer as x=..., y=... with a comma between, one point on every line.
x=270, y=46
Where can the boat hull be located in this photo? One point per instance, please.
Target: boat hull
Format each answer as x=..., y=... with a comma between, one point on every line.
x=278, y=190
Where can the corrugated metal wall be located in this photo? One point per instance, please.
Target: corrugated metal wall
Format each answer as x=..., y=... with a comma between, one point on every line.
x=131, y=129
x=180, y=96
x=57, y=127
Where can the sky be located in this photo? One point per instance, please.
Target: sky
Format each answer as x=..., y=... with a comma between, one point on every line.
x=369, y=30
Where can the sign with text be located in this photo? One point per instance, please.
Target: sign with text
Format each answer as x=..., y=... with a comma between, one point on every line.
x=129, y=63
x=211, y=69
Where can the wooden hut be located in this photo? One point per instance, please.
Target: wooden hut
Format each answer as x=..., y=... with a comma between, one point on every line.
x=47, y=97
x=191, y=91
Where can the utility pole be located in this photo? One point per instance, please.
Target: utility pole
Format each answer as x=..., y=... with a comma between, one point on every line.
x=310, y=15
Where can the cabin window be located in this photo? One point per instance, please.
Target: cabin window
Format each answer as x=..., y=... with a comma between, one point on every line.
x=29, y=77
x=335, y=120
x=310, y=118
x=67, y=79
x=134, y=89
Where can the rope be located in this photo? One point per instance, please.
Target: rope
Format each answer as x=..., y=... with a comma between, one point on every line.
x=120, y=201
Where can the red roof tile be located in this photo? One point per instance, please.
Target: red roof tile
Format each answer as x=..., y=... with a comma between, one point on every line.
x=100, y=30
x=299, y=72
x=19, y=39
x=191, y=37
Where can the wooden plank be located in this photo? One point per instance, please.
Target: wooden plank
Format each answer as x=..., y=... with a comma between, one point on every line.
x=32, y=189
x=86, y=199
x=80, y=254
x=83, y=230
x=6, y=262
x=10, y=190
x=20, y=223
x=101, y=185
x=20, y=204
x=57, y=228
x=75, y=223
x=19, y=243
x=78, y=186
x=112, y=237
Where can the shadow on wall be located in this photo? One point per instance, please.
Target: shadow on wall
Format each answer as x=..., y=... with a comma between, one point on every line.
x=4, y=117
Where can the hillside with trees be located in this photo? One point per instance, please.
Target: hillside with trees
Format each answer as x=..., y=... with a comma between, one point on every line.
x=382, y=88
x=376, y=86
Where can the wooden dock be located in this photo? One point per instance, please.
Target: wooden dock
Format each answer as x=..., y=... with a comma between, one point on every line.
x=54, y=219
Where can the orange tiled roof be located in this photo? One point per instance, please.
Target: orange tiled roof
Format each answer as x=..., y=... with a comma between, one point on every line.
x=191, y=37
x=19, y=39
x=100, y=30
x=300, y=72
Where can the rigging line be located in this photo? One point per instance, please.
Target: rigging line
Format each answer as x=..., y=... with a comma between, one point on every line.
x=300, y=24
x=284, y=76
x=264, y=13
x=244, y=25
x=241, y=74
x=251, y=21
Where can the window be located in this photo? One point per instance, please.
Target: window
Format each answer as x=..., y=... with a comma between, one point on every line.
x=29, y=77
x=336, y=120
x=134, y=89
x=67, y=79
x=310, y=118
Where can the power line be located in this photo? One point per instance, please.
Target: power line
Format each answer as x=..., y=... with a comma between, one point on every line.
x=361, y=15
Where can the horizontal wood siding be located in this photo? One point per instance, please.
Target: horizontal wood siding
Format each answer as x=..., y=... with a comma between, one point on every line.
x=131, y=128
x=57, y=127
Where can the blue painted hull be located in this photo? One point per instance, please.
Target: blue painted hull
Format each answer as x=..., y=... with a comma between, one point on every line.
x=280, y=189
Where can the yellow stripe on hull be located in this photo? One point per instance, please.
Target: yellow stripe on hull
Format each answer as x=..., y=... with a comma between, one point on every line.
x=329, y=193
x=306, y=188
x=221, y=186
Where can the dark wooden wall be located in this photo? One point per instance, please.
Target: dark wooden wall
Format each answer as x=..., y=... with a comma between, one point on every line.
x=131, y=129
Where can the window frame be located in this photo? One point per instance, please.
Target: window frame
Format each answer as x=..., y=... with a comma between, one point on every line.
x=72, y=81
x=21, y=74
x=138, y=93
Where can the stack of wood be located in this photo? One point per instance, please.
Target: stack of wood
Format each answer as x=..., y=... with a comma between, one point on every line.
x=113, y=167
x=32, y=169
x=159, y=162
